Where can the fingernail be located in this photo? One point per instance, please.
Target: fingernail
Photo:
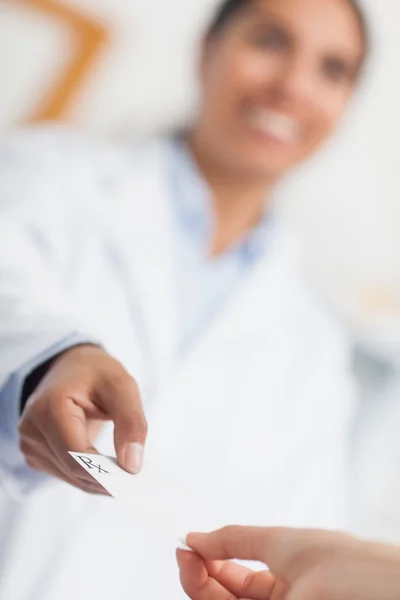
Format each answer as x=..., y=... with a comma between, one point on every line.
x=134, y=458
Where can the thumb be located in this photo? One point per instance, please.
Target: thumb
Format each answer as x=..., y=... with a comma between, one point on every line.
x=121, y=400
x=277, y=547
x=304, y=590
x=244, y=543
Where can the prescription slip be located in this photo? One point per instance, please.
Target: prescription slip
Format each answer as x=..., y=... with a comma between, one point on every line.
x=163, y=507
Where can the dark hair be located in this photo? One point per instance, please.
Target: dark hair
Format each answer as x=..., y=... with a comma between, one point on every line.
x=229, y=9
x=224, y=13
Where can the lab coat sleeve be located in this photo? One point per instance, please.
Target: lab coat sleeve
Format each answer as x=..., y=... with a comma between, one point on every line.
x=41, y=221
x=16, y=478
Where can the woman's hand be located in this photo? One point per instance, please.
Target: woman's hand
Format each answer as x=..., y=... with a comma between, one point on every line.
x=304, y=565
x=84, y=388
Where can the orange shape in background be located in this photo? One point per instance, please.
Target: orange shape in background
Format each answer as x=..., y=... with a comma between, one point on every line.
x=90, y=36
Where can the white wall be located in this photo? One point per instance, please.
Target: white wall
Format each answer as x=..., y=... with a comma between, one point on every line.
x=143, y=76
x=348, y=206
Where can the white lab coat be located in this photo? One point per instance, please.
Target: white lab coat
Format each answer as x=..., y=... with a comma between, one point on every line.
x=254, y=419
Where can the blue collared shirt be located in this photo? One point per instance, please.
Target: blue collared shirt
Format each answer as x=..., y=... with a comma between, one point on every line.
x=203, y=284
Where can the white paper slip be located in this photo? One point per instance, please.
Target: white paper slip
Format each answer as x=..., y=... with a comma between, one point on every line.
x=156, y=503
x=183, y=546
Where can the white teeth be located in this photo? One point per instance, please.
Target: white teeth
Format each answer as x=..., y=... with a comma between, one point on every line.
x=277, y=125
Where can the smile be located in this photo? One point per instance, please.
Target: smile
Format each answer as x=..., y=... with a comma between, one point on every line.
x=274, y=124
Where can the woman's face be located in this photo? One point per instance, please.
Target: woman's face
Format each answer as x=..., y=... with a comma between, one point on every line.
x=276, y=81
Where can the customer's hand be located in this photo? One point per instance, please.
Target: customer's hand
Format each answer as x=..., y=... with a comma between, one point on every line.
x=304, y=565
x=84, y=388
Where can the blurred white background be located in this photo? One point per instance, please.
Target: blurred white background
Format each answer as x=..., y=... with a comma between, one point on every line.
x=141, y=78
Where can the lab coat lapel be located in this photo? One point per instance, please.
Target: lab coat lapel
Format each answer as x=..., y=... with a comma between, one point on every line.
x=254, y=312
x=143, y=232
x=269, y=375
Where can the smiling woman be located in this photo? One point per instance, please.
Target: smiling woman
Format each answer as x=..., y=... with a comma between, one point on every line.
x=229, y=8
x=276, y=78
x=164, y=254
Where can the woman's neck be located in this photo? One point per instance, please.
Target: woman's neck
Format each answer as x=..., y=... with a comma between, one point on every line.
x=238, y=202
x=237, y=209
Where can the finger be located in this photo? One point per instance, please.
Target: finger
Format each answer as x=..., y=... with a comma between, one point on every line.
x=44, y=465
x=195, y=580
x=288, y=552
x=40, y=457
x=275, y=546
x=242, y=582
x=37, y=452
x=246, y=543
x=65, y=429
x=120, y=398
